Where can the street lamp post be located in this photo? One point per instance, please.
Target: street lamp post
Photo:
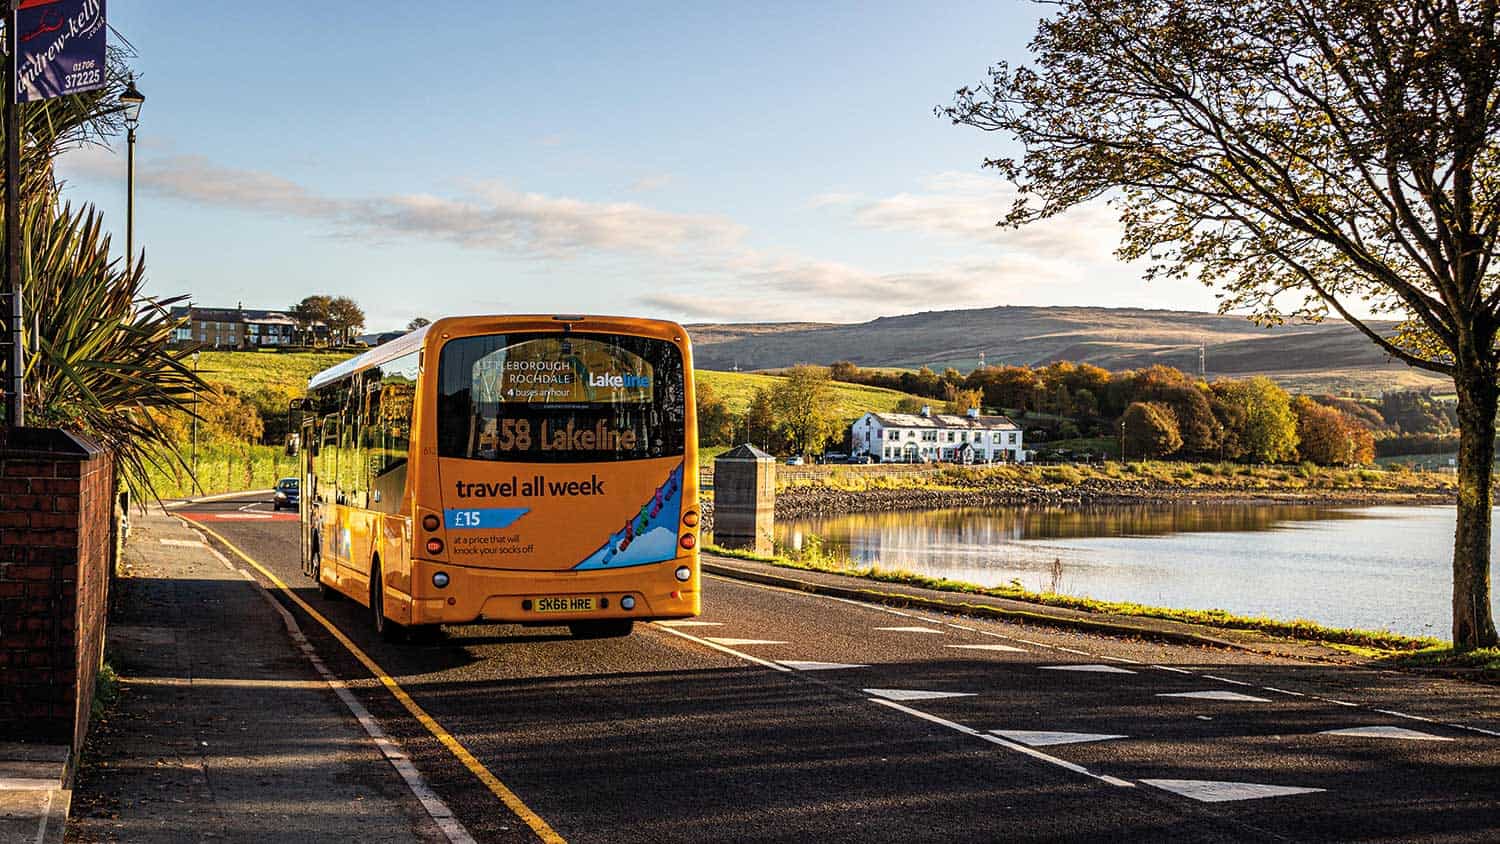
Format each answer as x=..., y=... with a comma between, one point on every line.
x=195, y=417
x=132, y=99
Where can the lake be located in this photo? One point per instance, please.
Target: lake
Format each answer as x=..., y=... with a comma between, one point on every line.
x=1377, y=568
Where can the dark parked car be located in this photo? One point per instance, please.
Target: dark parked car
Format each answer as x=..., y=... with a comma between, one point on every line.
x=288, y=493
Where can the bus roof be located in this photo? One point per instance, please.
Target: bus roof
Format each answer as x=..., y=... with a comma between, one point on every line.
x=385, y=352
x=412, y=340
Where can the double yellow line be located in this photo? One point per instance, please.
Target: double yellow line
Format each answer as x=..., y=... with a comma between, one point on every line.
x=461, y=753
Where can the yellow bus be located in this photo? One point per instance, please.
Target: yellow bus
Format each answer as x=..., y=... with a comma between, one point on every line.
x=535, y=470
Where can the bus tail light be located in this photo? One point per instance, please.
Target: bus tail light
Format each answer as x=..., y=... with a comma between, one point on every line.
x=688, y=541
x=684, y=574
x=431, y=522
x=434, y=546
x=690, y=518
x=627, y=603
x=439, y=579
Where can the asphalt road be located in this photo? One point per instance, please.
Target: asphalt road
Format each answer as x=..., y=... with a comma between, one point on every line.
x=780, y=716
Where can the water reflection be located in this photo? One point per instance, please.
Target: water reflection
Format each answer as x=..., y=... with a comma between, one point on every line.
x=1372, y=567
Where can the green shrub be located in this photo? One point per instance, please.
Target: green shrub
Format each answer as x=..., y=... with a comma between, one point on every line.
x=1061, y=475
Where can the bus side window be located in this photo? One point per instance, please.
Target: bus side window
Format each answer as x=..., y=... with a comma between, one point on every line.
x=391, y=430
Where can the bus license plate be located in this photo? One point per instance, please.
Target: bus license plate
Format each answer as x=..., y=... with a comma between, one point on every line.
x=564, y=604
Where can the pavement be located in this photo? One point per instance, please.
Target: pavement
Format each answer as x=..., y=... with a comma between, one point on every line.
x=223, y=730
x=34, y=793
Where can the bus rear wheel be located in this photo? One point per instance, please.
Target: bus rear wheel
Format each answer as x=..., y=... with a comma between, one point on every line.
x=612, y=629
x=326, y=592
x=388, y=630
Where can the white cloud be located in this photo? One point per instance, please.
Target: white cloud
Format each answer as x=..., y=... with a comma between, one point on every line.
x=495, y=217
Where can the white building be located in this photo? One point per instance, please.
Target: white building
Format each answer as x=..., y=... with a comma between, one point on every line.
x=920, y=438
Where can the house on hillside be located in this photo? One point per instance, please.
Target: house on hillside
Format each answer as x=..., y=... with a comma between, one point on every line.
x=929, y=437
x=238, y=328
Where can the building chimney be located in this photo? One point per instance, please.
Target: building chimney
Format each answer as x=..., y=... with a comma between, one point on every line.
x=973, y=413
x=926, y=410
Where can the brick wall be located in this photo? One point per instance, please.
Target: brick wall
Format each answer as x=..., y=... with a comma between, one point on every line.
x=56, y=510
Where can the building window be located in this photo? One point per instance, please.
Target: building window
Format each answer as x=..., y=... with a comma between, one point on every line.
x=1012, y=439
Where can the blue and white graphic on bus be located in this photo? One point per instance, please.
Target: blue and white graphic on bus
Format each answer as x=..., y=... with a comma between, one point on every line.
x=482, y=518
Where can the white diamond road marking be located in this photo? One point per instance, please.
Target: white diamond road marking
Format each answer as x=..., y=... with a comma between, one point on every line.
x=1217, y=695
x=1386, y=733
x=737, y=642
x=990, y=648
x=1046, y=738
x=1095, y=669
x=914, y=694
x=804, y=665
x=911, y=630
x=687, y=623
x=1210, y=791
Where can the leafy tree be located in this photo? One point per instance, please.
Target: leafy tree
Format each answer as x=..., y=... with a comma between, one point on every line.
x=1359, y=412
x=923, y=382
x=843, y=370
x=760, y=422
x=1200, y=431
x=803, y=402
x=309, y=312
x=1150, y=430
x=1304, y=158
x=715, y=427
x=1010, y=387
x=229, y=416
x=1329, y=438
x=909, y=404
x=345, y=318
x=1266, y=428
x=417, y=322
x=961, y=401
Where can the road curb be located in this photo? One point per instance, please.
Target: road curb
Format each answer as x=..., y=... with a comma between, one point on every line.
x=1039, y=617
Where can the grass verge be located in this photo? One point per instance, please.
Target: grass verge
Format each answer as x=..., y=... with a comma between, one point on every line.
x=1373, y=643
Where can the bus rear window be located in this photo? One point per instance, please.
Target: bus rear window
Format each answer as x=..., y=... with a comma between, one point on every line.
x=554, y=398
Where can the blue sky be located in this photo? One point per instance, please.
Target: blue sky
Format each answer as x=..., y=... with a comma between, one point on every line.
x=702, y=162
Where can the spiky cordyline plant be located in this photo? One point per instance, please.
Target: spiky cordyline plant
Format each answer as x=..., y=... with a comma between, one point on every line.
x=100, y=361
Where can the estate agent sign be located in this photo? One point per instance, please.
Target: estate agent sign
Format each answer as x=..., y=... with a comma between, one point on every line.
x=61, y=48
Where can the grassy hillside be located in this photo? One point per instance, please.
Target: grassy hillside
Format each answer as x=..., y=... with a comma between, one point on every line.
x=1321, y=357
x=850, y=400
x=251, y=371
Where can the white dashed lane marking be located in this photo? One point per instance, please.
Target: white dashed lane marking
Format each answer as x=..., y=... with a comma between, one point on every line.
x=1217, y=695
x=1212, y=791
x=1047, y=738
x=1007, y=648
x=1088, y=669
x=734, y=643
x=913, y=694
x=911, y=630
x=808, y=665
x=1401, y=733
x=689, y=623
x=1019, y=748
